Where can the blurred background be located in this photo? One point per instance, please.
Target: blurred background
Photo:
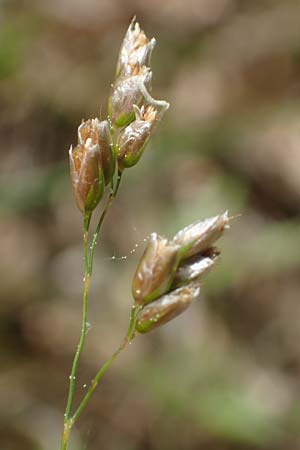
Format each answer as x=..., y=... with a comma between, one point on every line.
x=226, y=374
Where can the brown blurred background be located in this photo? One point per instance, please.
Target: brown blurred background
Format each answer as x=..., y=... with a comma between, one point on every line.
x=226, y=374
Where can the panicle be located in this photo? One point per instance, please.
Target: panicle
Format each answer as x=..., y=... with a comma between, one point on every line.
x=118, y=142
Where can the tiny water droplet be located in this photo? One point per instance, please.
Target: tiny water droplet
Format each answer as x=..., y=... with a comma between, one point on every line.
x=84, y=386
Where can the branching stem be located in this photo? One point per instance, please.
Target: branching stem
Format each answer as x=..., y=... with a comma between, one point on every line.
x=128, y=338
x=88, y=269
x=86, y=286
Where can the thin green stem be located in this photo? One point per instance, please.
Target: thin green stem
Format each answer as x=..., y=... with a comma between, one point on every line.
x=128, y=338
x=109, y=202
x=66, y=435
x=83, y=333
x=86, y=226
x=79, y=348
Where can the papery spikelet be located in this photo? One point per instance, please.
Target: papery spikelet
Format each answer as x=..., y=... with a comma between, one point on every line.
x=155, y=270
x=167, y=307
x=99, y=133
x=198, y=237
x=134, y=138
x=86, y=168
x=108, y=156
x=196, y=267
x=127, y=92
x=135, y=51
